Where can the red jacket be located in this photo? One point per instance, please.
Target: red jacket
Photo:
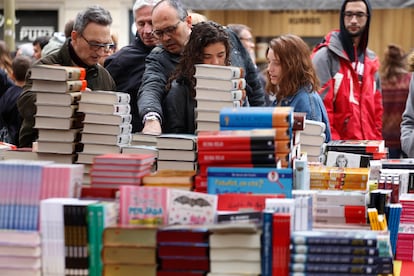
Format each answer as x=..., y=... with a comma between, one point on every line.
x=354, y=109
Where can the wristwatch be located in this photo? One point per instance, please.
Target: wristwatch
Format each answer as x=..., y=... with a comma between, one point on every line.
x=151, y=118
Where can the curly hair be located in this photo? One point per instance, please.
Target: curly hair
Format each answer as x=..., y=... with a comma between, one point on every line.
x=394, y=64
x=297, y=67
x=5, y=58
x=203, y=34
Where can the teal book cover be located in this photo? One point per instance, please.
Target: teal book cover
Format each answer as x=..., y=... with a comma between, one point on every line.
x=250, y=180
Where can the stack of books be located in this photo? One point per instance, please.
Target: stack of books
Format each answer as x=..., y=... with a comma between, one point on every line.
x=57, y=118
x=142, y=143
x=312, y=140
x=279, y=118
x=183, y=250
x=235, y=249
x=20, y=253
x=107, y=125
x=355, y=252
x=129, y=251
x=334, y=178
x=113, y=170
x=405, y=241
x=217, y=87
x=177, y=152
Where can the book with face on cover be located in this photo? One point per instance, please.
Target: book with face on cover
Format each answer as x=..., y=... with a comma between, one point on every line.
x=57, y=72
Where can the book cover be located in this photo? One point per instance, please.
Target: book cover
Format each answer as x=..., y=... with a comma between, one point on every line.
x=178, y=141
x=108, y=119
x=344, y=159
x=143, y=205
x=107, y=109
x=219, y=95
x=124, y=235
x=60, y=99
x=250, y=180
x=243, y=202
x=246, y=156
x=356, y=146
x=57, y=73
x=105, y=97
x=107, y=129
x=231, y=84
x=58, y=86
x=218, y=71
x=258, y=117
x=187, y=207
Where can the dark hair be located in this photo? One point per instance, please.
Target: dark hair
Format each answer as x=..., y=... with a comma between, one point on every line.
x=20, y=66
x=69, y=27
x=93, y=14
x=177, y=5
x=297, y=67
x=202, y=35
x=42, y=41
x=394, y=64
x=238, y=28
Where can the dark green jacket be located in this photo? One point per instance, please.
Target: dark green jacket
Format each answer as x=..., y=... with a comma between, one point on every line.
x=97, y=77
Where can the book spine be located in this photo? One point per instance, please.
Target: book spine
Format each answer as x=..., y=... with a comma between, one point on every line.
x=280, y=243
x=333, y=249
x=339, y=259
x=252, y=157
x=76, y=85
x=245, y=117
x=234, y=142
x=333, y=268
x=333, y=240
x=253, y=217
x=267, y=244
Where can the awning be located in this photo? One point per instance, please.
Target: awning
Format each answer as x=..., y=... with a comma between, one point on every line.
x=286, y=4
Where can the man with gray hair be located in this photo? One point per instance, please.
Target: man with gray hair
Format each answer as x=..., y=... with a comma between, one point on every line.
x=128, y=64
x=90, y=40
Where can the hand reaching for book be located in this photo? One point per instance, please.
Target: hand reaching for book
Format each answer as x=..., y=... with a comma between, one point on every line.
x=152, y=127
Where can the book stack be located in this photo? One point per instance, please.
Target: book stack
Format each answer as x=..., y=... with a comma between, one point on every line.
x=140, y=205
x=333, y=178
x=179, y=179
x=107, y=125
x=177, y=152
x=100, y=215
x=129, y=251
x=113, y=170
x=279, y=118
x=312, y=140
x=57, y=118
x=142, y=143
x=217, y=87
x=375, y=149
x=64, y=230
x=235, y=249
x=355, y=252
x=405, y=240
x=183, y=250
x=342, y=209
x=20, y=253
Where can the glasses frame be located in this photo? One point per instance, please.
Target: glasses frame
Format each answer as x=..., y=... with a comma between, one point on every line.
x=359, y=15
x=107, y=47
x=170, y=30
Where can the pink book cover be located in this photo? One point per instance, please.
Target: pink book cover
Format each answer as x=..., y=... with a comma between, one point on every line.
x=61, y=180
x=142, y=205
x=186, y=207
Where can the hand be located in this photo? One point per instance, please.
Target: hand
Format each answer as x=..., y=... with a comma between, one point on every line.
x=152, y=127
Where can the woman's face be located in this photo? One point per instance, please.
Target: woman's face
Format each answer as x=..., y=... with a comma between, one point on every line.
x=215, y=54
x=274, y=67
x=341, y=162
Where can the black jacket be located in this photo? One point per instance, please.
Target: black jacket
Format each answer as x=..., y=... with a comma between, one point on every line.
x=126, y=68
x=9, y=116
x=97, y=77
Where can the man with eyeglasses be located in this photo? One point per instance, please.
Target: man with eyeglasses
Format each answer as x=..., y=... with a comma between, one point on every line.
x=172, y=26
x=348, y=72
x=89, y=41
x=128, y=64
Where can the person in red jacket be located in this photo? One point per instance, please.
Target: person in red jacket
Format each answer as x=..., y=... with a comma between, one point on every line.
x=348, y=73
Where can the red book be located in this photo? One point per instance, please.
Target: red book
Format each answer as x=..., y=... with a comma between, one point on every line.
x=95, y=192
x=183, y=235
x=190, y=250
x=281, y=243
x=124, y=159
x=257, y=139
x=237, y=202
x=246, y=156
x=202, y=169
x=185, y=263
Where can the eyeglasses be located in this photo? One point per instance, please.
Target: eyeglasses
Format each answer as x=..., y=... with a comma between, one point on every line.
x=97, y=46
x=358, y=15
x=166, y=31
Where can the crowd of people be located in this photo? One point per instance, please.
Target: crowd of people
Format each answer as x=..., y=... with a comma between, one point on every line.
x=340, y=82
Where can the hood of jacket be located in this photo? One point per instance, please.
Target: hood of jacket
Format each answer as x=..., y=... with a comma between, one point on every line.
x=346, y=37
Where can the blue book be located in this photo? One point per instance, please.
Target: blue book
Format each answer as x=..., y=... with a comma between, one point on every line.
x=267, y=243
x=250, y=180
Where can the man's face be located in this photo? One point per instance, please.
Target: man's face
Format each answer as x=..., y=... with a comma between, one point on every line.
x=37, y=51
x=172, y=32
x=93, y=43
x=355, y=17
x=143, y=23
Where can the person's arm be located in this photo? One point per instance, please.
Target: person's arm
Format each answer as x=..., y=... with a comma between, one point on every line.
x=152, y=92
x=407, y=124
x=175, y=109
